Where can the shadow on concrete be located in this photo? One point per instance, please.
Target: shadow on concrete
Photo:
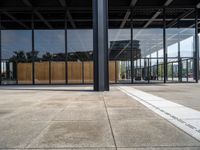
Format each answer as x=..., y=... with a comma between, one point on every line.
x=71, y=88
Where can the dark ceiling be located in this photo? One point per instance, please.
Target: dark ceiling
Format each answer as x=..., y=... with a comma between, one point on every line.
x=51, y=13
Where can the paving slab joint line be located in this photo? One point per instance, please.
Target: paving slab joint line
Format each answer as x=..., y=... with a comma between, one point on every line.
x=109, y=122
x=153, y=108
x=48, y=124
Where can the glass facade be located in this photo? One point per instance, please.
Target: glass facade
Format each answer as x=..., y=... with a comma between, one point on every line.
x=16, y=51
x=58, y=51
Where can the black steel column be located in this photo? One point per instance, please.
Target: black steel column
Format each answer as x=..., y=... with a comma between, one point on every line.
x=179, y=55
x=164, y=46
x=187, y=69
x=100, y=45
x=157, y=66
x=172, y=71
x=66, y=54
x=132, y=45
x=0, y=51
x=196, y=53
x=33, y=49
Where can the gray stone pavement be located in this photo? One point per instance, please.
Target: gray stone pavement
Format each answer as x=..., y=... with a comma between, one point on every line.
x=64, y=117
x=184, y=94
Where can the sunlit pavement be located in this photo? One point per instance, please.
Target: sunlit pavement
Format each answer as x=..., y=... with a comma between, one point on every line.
x=75, y=117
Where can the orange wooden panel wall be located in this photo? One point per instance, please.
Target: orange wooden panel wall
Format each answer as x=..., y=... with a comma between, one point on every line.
x=24, y=73
x=74, y=72
x=88, y=72
x=41, y=72
x=58, y=72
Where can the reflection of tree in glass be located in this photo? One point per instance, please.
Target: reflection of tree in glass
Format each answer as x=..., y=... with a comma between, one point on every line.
x=21, y=56
x=47, y=56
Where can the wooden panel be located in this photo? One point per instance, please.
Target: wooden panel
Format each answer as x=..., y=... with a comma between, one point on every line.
x=117, y=73
x=74, y=72
x=88, y=72
x=112, y=71
x=24, y=73
x=58, y=72
x=42, y=72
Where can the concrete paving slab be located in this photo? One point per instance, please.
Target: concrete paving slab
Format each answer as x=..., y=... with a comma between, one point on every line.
x=79, y=104
x=19, y=133
x=184, y=94
x=6, y=112
x=56, y=104
x=141, y=133
x=64, y=118
x=84, y=114
x=131, y=114
x=122, y=103
x=33, y=114
x=75, y=134
x=88, y=148
x=162, y=148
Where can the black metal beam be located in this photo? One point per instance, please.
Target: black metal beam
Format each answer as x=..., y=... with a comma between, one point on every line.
x=0, y=51
x=100, y=43
x=70, y=19
x=198, y=5
x=43, y=19
x=85, y=8
x=132, y=4
x=187, y=13
x=152, y=18
x=63, y=3
x=179, y=55
x=132, y=46
x=66, y=51
x=33, y=49
x=196, y=53
x=15, y=19
x=167, y=3
x=164, y=46
x=28, y=3
x=69, y=16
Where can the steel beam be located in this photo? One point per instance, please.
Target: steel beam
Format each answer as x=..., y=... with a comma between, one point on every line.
x=187, y=13
x=179, y=55
x=70, y=19
x=164, y=46
x=100, y=45
x=198, y=5
x=69, y=16
x=132, y=4
x=28, y=3
x=15, y=19
x=0, y=51
x=152, y=19
x=63, y=3
x=85, y=8
x=132, y=47
x=33, y=49
x=196, y=52
x=43, y=19
x=167, y=3
x=66, y=51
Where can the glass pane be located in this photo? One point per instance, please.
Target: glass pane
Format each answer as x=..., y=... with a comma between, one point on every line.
x=80, y=55
x=119, y=47
x=50, y=52
x=16, y=56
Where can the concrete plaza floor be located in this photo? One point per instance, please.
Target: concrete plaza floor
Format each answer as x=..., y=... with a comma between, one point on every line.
x=184, y=94
x=75, y=117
